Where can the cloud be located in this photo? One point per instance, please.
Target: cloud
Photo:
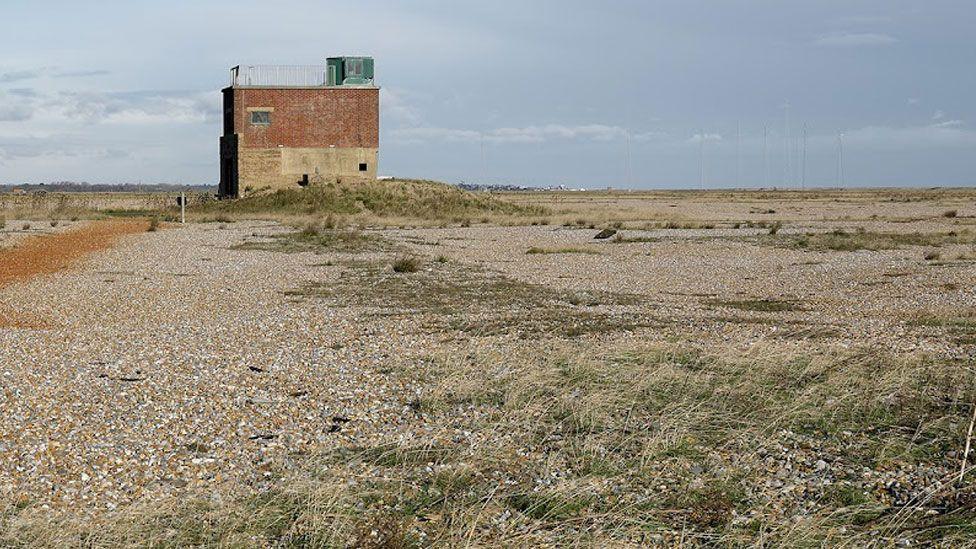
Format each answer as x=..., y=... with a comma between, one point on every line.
x=527, y=134
x=61, y=109
x=854, y=39
x=425, y=134
x=146, y=107
x=396, y=107
x=539, y=134
x=938, y=115
x=860, y=20
x=15, y=112
x=53, y=72
x=650, y=136
x=948, y=134
x=698, y=137
x=15, y=107
x=17, y=76
x=80, y=74
x=56, y=146
x=914, y=101
x=23, y=92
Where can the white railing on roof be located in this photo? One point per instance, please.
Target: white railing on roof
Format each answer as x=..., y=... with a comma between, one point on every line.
x=278, y=75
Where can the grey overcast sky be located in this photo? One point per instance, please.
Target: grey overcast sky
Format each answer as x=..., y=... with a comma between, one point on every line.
x=621, y=92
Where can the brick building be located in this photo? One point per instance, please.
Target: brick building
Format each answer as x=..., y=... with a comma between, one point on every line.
x=291, y=126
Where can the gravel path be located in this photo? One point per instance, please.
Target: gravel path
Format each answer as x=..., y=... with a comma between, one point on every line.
x=174, y=362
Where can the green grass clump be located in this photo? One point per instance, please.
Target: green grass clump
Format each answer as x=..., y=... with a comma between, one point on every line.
x=535, y=250
x=760, y=305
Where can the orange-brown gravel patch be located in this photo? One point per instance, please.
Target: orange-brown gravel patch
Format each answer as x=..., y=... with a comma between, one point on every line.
x=40, y=255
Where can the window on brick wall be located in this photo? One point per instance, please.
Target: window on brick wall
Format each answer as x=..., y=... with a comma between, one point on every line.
x=261, y=118
x=362, y=166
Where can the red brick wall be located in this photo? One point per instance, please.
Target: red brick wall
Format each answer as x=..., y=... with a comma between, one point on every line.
x=309, y=117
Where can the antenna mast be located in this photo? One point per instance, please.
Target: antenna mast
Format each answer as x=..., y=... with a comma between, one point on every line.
x=787, y=171
x=630, y=167
x=738, y=161
x=701, y=159
x=765, y=156
x=803, y=170
x=840, y=159
x=484, y=161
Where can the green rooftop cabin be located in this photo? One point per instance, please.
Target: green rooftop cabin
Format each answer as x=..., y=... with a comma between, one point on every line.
x=349, y=71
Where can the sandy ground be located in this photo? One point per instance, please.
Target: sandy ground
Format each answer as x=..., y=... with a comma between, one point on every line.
x=864, y=296
x=173, y=361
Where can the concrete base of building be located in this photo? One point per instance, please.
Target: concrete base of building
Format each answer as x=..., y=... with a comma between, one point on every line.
x=292, y=168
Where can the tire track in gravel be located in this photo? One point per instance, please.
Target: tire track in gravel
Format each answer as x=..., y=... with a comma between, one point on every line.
x=41, y=255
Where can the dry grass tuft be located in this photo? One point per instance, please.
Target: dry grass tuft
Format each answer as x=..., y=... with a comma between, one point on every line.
x=407, y=264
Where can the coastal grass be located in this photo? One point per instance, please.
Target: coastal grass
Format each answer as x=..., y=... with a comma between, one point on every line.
x=317, y=238
x=374, y=202
x=849, y=241
x=645, y=444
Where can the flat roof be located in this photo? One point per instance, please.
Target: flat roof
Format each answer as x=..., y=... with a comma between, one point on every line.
x=344, y=87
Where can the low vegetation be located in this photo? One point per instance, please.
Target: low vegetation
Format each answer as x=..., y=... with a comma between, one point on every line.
x=620, y=238
x=958, y=324
x=762, y=448
x=529, y=415
x=678, y=224
x=849, y=241
x=760, y=305
x=462, y=301
x=535, y=250
x=407, y=264
x=424, y=202
x=317, y=238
